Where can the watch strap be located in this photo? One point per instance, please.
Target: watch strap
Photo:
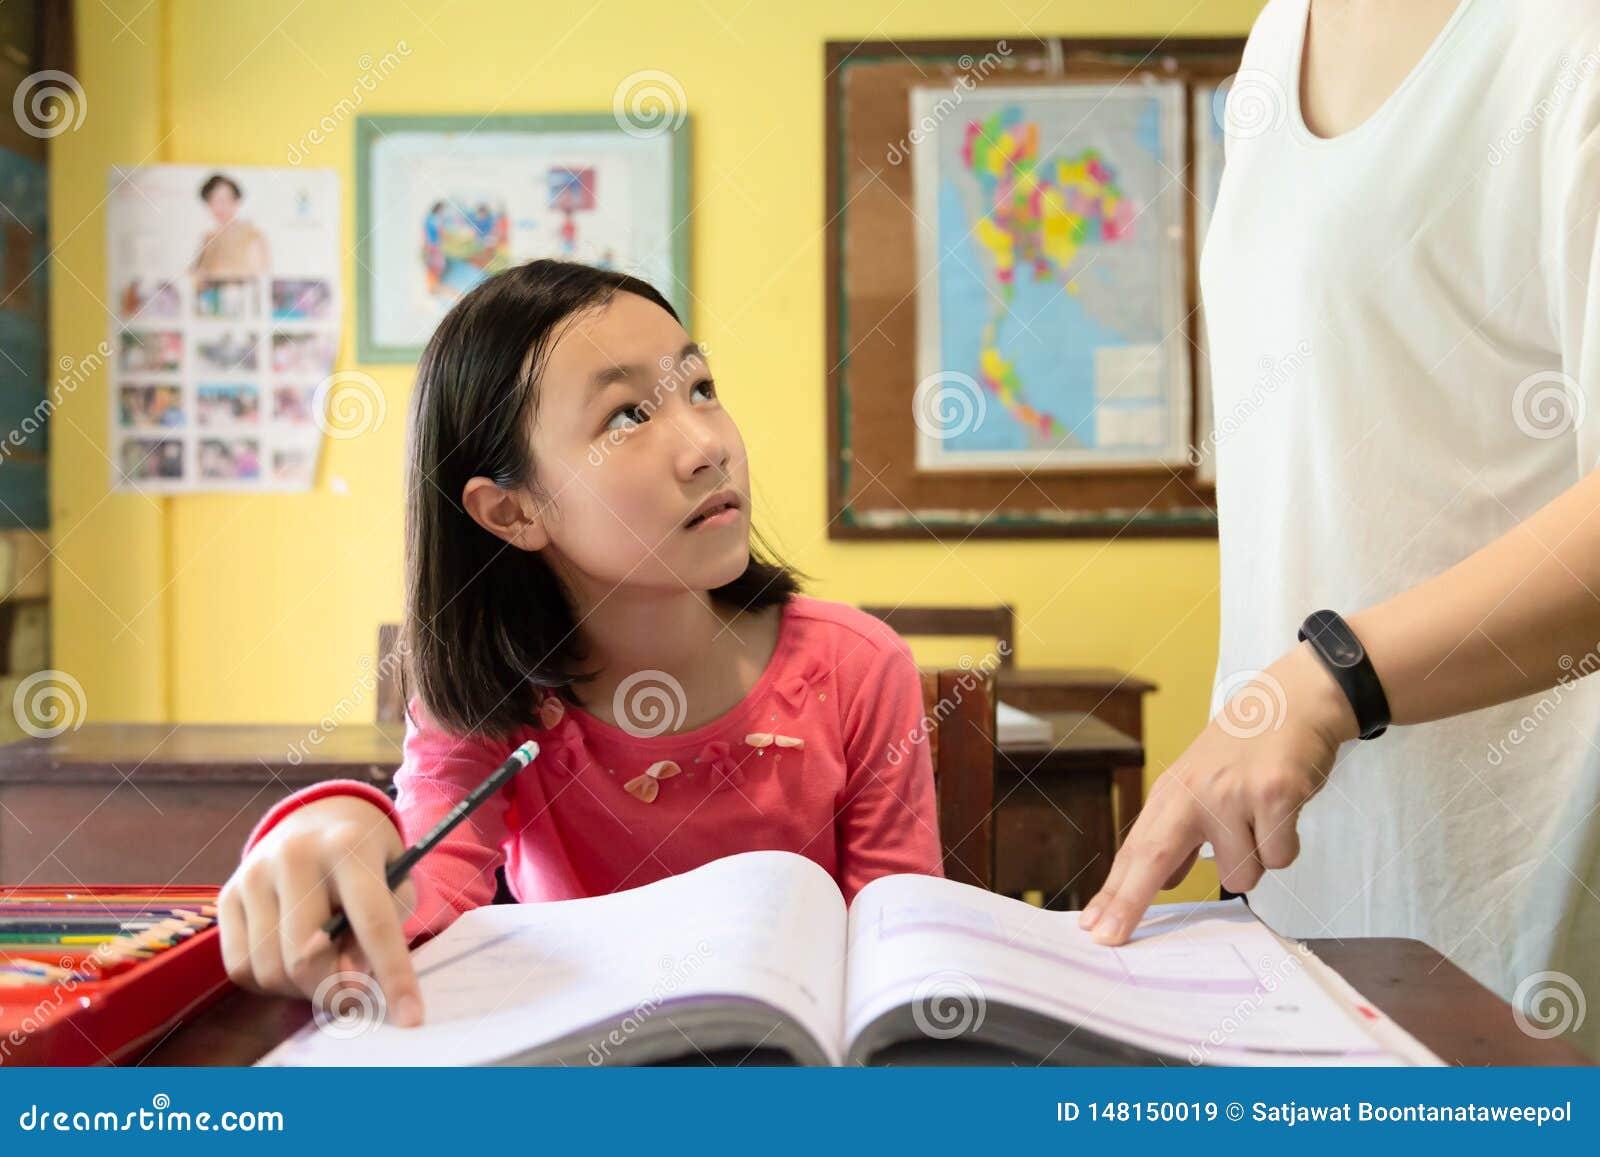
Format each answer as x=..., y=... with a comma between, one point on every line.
x=1342, y=654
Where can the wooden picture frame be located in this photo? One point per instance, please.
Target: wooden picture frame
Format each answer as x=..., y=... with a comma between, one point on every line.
x=874, y=488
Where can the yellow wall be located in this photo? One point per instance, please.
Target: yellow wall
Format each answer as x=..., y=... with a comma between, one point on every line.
x=261, y=607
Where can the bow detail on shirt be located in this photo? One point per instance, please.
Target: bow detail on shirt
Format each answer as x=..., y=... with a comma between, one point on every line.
x=561, y=747
x=796, y=687
x=770, y=739
x=551, y=711
x=647, y=786
x=719, y=762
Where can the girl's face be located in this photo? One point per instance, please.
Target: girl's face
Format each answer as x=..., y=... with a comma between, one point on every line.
x=629, y=444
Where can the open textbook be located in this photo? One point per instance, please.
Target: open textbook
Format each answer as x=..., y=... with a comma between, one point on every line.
x=756, y=956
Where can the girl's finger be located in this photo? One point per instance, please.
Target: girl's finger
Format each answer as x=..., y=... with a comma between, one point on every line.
x=352, y=959
x=266, y=957
x=375, y=921
x=304, y=906
x=351, y=972
x=406, y=896
x=235, y=934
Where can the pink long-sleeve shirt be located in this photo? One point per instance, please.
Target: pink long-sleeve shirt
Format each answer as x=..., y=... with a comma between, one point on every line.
x=826, y=756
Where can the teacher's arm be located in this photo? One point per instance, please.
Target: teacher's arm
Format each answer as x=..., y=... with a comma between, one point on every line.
x=1512, y=619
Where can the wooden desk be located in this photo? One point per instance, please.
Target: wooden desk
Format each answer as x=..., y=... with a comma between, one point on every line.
x=1062, y=807
x=162, y=803
x=1107, y=694
x=1065, y=810
x=1443, y=1007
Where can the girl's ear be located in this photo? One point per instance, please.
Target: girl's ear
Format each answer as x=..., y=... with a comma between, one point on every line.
x=511, y=515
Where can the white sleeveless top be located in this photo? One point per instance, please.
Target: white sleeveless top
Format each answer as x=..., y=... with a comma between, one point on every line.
x=1404, y=330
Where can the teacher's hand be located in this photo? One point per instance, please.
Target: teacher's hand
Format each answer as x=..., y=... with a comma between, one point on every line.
x=1240, y=785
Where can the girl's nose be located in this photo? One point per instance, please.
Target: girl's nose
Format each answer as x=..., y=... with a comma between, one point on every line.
x=705, y=446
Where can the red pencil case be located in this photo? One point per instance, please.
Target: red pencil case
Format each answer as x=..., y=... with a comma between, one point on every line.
x=116, y=1017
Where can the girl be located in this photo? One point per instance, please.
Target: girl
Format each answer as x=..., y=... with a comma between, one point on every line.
x=579, y=571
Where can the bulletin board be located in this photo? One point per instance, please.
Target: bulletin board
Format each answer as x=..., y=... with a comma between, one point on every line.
x=876, y=488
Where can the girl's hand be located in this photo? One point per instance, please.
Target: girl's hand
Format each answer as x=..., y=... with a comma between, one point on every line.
x=333, y=852
x=1240, y=785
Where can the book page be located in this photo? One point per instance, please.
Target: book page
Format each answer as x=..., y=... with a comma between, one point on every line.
x=1205, y=983
x=762, y=926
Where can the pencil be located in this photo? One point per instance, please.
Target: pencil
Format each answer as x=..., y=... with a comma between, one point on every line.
x=338, y=924
x=82, y=926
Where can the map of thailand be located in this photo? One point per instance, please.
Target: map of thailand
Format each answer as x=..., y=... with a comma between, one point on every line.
x=1050, y=275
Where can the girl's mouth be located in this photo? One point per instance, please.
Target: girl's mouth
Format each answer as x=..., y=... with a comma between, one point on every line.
x=720, y=512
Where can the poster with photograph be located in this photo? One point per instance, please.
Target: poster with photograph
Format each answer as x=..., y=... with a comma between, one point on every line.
x=224, y=282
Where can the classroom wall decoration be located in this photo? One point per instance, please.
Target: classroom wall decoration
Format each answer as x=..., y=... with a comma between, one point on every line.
x=24, y=294
x=445, y=201
x=1050, y=270
x=224, y=285
x=1011, y=278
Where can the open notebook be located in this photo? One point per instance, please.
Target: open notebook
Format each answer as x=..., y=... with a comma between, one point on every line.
x=756, y=956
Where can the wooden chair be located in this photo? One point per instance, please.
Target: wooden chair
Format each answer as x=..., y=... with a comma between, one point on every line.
x=391, y=705
x=958, y=708
x=997, y=623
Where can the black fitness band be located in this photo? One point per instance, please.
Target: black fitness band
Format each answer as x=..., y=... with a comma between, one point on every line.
x=1346, y=660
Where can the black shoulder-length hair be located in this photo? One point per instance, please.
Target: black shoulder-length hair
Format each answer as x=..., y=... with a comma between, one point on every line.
x=489, y=627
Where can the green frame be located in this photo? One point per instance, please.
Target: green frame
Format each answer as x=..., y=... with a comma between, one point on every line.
x=372, y=128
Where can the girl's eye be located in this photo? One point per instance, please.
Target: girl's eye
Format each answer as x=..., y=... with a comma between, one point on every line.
x=630, y=416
